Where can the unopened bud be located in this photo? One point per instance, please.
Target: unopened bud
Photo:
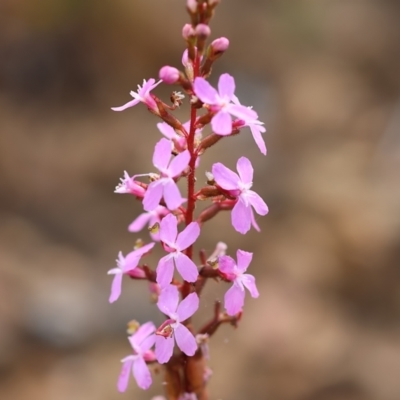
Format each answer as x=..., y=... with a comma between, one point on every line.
x=220, y=45
x=169, y=75
x=188, y=31
x=191, y=6
x=210, y=178
x=202, y=31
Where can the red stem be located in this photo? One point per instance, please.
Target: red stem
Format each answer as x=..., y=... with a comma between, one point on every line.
x=191, y=202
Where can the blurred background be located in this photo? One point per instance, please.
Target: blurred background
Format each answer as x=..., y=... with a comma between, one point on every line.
x=323, y=76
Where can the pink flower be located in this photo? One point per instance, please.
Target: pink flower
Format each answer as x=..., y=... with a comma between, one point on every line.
x=141, y=341
x=175, y=243
x=166, y=186
x=169, y=75
x=125, y=265
x=178, y=140
x=239, y=185
x=221, y=103
x=142, y=95
x=129, y=185
x=169, y=132
x=234, y=297
x=150, y=218
x=173, y=327
x=256, y=128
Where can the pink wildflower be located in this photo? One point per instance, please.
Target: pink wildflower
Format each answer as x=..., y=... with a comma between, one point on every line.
x=256, y=128
x=234, y=297
x=125, y=265
x=141, y=341
x=166, y=186
x=175, y=243
x=150, y=218
x=129, y=185
x=173, y=327
x=169, y=75
x=221, y=103
x=142, y=95
x=239, y=185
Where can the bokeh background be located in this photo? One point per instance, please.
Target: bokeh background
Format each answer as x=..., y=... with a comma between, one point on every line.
x=323, y=75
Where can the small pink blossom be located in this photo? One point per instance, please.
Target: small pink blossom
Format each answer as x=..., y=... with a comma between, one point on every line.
x=169, y=75
x=125, y=265
x=239, y=185
x=141, y=341
x=166, y=186
x=256, y=129
x=178, y=140
x=142, y=95
x=220, y=45
x=232, y=271
x=150, y=218
x=129, y=185
x=173, y=327
x=169, y=132
x=175, y=243
x=222, y=103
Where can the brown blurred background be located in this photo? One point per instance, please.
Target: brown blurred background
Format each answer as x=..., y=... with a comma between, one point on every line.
x=323, y=75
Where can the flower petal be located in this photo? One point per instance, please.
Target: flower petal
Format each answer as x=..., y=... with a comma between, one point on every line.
x=168, y=300
x=234, y=300
x=164, y=348
x=127, y=105
x=115, y=288
x=226, y=264
x=172, y=195
x=186, y=267
x=169, y=229
x=124, y=374
x=250, y=282
x=188, y=306
x=141, y=373
x=204, y=91
x=256, y=131
x=242, y=112
x=179, y=163
x=221, y=123
x=139, y=223
x=165, y=271
x=254, y=222
x=257, y=202
x=241, y=217
x=245, y=170
x=188, y=236
x=243, y=259
x=225, y=177
x=167, y=130
x=147, y=344
x=185, y=340
x=152, y=197
x=162, y=154
x=141, y=334
x=226, y=86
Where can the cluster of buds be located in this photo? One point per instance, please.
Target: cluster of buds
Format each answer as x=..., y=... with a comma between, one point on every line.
x=176, y=156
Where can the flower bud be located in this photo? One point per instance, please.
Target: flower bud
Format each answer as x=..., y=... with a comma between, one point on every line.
x=187, y=31
x=220, y=45
x=169, y=75
x=202, y=31
x=191, y=6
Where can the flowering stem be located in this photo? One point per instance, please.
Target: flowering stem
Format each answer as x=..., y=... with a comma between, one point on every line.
x=192, y=174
